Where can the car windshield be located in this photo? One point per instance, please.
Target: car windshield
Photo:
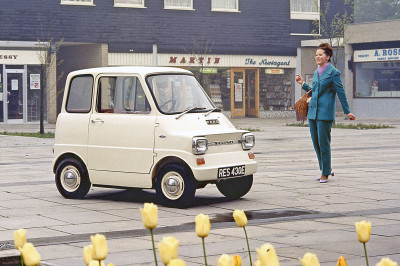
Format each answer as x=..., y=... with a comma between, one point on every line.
x=176, y=93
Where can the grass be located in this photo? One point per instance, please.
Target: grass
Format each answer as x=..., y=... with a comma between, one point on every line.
x=251, y=129
x=345, y=126
x=47, y=135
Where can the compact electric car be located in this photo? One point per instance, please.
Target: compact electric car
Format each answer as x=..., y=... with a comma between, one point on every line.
x=147, y=127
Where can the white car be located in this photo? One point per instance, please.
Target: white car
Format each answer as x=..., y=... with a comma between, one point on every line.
x=147, y=127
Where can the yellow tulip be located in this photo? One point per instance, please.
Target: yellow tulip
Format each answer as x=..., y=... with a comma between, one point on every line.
x=19, y=238
x=363, y=229
x=149, y=215
x=168, y=249
x=240, y=218
x=341, y=262
x=87, y=254
x=225, y=260
x=386, y=262
x=310, y=259
x=30, y=255
x=258, y=263
x=110, y=264
x=203, y=225
x=266, y=254
x=237, y=260
x=176, y=262
x=100, y=249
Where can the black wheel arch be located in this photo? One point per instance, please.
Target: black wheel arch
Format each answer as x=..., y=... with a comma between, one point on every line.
x=65, y=156
x=168, y=160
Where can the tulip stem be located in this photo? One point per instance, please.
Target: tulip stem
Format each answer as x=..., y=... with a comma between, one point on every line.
x=154, y=249
x=366, y=256
x=248, y=246
x=22, y=261
x=204, y=252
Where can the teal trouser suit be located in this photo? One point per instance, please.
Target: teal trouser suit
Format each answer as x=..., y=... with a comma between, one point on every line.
x=321, y=112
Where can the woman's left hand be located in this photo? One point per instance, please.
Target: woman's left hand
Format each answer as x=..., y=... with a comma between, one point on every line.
x=351, y=116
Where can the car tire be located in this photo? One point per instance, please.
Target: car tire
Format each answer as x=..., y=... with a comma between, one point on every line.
x=72, y=179
x=175, y=186
x=235, y=188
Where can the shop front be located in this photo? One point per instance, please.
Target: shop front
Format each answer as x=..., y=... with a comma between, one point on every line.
x=20, y=83
x=377, y=82
x=242, y=86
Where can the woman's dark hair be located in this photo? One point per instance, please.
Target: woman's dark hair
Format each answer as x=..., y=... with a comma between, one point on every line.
x=327, y=49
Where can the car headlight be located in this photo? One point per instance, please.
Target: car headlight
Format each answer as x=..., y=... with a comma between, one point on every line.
x=248, y=141
x=199, y=145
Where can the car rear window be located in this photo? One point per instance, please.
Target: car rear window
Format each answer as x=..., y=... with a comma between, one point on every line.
x=80, y=94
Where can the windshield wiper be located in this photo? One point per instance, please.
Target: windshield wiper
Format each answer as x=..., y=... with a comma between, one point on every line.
x=190, y=110
x=212, y=110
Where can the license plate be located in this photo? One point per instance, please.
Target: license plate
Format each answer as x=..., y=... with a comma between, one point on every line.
x=231, y=171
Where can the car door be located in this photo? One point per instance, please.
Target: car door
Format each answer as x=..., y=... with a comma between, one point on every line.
x=121, y=129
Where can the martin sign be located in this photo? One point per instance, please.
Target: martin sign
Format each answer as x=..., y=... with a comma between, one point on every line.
x=211, y=60
x=388, y=54
x=193, y=60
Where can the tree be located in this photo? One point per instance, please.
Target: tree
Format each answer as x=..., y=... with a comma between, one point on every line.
x=47, y=55
x=332, y=27
x=376, y=10
x=201, y=53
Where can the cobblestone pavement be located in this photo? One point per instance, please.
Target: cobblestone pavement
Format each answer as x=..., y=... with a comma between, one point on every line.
x=286, y=206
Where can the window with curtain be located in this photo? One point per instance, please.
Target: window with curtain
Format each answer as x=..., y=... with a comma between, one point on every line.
x=305, y=6
x=77, y=2
x=178, y=4
x=229, y=5
x=133, y=3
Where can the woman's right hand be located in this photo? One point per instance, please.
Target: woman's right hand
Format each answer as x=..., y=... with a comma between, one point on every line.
x=299, y=79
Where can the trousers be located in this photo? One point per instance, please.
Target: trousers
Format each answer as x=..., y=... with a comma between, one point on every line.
x=321, y=137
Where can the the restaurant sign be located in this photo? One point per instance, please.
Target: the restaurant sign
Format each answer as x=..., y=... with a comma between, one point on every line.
x=388, y=54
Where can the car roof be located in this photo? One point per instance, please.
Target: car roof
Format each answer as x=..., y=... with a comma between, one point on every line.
x=142, y=70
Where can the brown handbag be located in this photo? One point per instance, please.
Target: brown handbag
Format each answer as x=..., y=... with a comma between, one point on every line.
x=301, y=106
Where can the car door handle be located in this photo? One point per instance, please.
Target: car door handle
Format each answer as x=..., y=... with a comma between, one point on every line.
x=97, y=120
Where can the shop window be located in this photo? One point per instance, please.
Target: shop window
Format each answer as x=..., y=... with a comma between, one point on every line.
x=217, y=84
x=129, y=3
x=276, y=89
x=35, y=84
x=77, y=2
x=377, y=79
x=304, y=9
x=178, y=4
x=225, y=5
x=80, y=94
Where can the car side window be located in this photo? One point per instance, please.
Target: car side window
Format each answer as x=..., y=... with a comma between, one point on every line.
x=80, y=94
x=122, y=94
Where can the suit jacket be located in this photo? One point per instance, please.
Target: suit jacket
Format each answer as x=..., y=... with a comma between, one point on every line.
x=324, y=89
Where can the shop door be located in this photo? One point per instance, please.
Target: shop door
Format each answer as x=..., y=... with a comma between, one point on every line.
x=238, y=90
x=252, y=92
x=245, y=93
x=15, y=100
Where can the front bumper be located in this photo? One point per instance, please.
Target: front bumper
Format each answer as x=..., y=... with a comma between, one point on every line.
x=213, y=162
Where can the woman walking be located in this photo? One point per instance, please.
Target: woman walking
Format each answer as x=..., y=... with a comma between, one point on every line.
x=326, y=83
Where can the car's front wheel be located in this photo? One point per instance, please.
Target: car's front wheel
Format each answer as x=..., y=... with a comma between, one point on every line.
x=235, y=188
x=175, y=185
x=72, y=179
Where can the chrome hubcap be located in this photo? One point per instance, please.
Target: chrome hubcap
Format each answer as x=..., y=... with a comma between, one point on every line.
x=173, y=185
x=70, y=178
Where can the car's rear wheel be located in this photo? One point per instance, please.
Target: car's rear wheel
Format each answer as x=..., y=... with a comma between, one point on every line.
x=72, y=179
x=235, y=188
x=175, y=186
